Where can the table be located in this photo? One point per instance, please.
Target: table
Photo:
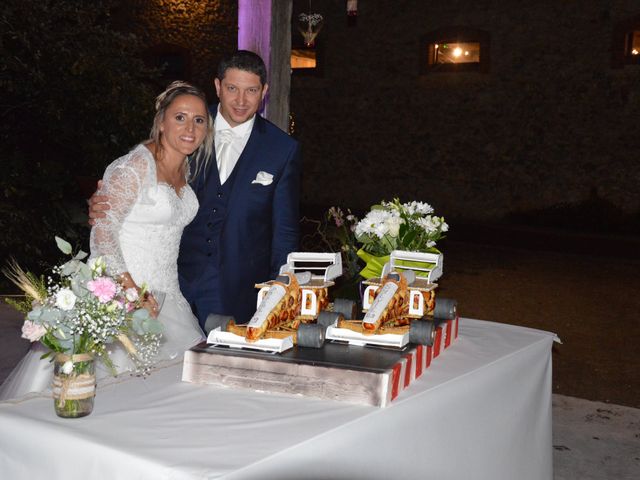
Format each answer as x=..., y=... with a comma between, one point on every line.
x=482, y=411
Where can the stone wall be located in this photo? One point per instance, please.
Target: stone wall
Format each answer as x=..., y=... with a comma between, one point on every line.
x=551, y=124
x=205, y=30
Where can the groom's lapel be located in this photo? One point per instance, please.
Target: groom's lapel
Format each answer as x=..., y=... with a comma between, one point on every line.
x=208, y=179
x=246, y=165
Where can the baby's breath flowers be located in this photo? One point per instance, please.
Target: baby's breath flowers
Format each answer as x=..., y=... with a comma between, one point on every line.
x=79, y=309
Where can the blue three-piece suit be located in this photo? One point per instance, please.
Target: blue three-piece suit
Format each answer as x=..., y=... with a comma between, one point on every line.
x=245, y=228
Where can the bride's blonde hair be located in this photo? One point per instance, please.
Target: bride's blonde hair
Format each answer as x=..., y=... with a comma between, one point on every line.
x=201, y=156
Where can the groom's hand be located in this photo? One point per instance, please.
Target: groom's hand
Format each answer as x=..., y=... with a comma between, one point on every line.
x=98, y=204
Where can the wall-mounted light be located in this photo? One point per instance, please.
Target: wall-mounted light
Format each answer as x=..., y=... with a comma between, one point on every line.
x=455, y=49
x=463, y=52
x=633, y=42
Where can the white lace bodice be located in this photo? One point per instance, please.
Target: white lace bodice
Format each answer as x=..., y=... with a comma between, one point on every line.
x=142, y=230
x=140, y=234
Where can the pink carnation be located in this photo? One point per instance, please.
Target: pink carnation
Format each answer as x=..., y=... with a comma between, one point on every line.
x=32, y=331
x=104, y=288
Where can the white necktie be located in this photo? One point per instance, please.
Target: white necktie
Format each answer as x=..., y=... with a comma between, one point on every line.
x=223, y=153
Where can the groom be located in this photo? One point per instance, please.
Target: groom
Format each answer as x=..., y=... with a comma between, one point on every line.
x=248, y=220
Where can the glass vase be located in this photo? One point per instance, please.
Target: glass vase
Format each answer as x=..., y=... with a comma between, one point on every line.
x=74, y=385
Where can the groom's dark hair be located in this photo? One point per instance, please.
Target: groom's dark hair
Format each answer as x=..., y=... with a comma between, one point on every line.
x=243, y=60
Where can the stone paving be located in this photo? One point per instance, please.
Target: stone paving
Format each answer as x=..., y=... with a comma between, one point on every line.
x=595, y=440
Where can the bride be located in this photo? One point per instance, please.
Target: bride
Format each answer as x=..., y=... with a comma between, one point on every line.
x=139, y=238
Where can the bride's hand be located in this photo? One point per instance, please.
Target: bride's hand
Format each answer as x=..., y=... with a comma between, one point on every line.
x=151, y=304
x=147, y=300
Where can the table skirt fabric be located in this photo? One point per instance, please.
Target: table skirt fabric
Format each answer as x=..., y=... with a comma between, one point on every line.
x=481, y=411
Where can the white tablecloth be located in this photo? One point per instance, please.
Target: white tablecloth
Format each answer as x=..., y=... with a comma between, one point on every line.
x=482, y=411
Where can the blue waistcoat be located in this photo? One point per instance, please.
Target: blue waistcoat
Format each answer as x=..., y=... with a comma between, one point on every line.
x=245, y=228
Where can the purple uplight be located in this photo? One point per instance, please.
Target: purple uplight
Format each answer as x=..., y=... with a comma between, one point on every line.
x=254, y=27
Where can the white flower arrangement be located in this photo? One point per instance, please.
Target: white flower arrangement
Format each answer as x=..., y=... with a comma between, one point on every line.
x=85, y=310
x=400, y=226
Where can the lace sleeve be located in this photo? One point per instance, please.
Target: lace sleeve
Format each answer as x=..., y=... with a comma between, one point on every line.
x=124, y=181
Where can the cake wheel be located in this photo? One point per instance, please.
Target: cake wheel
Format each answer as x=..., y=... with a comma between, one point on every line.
x=310, y=335
x=422, y=332
x=346, y=307
x=445, y=308
x=215, y=320
x=327, y=318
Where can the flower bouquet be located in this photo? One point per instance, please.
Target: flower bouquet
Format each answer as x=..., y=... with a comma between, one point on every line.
x=396, y=226
x=341, y=225
x=76, y=317
x=334, y=233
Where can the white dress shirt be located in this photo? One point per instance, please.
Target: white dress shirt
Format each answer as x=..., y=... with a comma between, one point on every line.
x=237, y=136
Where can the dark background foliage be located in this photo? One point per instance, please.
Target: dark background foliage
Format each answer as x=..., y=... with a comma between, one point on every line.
x=75, y=95
x=545, y=138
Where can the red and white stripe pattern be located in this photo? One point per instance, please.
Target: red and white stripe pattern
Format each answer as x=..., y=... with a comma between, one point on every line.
x=418, y=359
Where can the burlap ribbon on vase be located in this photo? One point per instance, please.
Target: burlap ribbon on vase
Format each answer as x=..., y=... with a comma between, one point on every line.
x=74, y=386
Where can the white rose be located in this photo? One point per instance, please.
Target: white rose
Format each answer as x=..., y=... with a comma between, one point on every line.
x=65, y=299
x=32, y=331
x=131, y=294
x=393, y=225
x=67, y=367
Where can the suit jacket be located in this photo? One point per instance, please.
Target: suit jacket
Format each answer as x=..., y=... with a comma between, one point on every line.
x=260, y=228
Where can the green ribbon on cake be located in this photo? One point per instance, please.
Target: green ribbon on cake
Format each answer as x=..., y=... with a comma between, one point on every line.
x=375, y=264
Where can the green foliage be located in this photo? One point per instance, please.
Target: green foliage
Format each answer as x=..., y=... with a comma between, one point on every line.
x=334, y=233
x=76, y=95
x=63, y=245
x=22, y=305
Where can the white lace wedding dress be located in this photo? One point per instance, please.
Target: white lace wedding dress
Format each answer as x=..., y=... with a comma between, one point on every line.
x=141, y=235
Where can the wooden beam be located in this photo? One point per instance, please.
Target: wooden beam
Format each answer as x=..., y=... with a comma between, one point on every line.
x=280, y=61
x=264, y=27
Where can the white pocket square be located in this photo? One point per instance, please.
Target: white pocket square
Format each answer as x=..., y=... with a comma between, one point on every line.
x=263, y=178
